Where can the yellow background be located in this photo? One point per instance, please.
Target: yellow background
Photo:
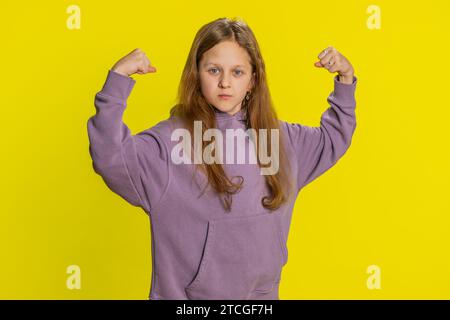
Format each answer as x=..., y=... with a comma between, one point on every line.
x=385, y=203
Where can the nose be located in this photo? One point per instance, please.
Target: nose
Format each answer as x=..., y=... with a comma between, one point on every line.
x=224, y=83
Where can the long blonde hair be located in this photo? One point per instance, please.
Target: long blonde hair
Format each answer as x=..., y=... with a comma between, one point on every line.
x=259, y=111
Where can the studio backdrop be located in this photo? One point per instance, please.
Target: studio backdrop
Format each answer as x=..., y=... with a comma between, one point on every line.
x=375, y=226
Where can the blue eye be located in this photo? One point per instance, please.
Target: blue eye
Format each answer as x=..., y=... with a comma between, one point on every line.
x=240, y=72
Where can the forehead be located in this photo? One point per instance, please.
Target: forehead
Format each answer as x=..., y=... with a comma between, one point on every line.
x=226, y=53
x=218, y=64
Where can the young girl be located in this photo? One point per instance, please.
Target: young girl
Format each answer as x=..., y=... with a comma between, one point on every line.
x=219, y=232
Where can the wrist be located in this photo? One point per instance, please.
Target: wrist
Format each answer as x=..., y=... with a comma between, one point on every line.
x=119, y=71
x=348, y=78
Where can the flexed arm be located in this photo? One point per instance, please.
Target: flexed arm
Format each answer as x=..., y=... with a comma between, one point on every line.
x=126, y=162
x=319, y=148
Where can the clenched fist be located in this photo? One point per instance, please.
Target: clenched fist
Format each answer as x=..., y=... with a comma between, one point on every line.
x=134, y=62
x=334, y=61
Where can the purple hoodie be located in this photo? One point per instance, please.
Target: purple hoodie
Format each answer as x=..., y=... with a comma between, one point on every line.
x=199, y=250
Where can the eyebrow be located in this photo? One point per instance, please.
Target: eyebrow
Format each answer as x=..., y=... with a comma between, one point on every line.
x=237, y=65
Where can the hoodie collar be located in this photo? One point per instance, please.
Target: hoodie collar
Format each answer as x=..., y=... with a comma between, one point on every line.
x=240, y=115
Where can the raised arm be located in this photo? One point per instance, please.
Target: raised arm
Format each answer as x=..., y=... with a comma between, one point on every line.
x=319, y=148
x=133, y=166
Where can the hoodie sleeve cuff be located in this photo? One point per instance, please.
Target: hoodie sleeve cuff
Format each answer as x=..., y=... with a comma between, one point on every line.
x=118, y=85
x=345, y=92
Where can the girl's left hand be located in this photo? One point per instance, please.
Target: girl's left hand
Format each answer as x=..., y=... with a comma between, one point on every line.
x=334, y=61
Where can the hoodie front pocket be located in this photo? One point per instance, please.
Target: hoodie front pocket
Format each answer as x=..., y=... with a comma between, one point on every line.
x=241, y=255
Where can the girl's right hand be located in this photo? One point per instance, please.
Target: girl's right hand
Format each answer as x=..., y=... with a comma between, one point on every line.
x=134, y=62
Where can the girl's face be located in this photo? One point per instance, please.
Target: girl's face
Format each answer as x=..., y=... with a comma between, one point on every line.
x=226, y=69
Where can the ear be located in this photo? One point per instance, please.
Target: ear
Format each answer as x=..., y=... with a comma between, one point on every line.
x=252, y=82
